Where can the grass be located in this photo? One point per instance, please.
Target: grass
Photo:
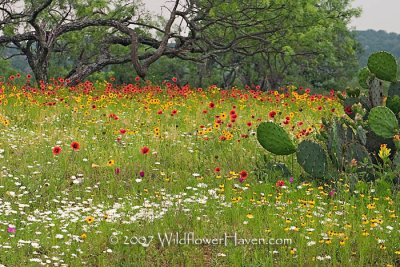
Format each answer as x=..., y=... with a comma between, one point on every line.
x=90, y=207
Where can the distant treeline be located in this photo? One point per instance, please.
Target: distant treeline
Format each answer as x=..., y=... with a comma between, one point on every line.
x=372, y=41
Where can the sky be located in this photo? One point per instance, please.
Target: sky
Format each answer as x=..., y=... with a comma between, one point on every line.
x=376, y=15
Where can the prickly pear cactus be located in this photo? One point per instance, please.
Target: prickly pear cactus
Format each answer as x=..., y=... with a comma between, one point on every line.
x=274, y=138
x=356, y=151
x=383, y=65
x=336, y=140
x=362, y=135
x=383, y=122
x=312, y=158
x=394, y=89
x=393, y=103
x=363, y=77
x=353, y=92
x=376, y=92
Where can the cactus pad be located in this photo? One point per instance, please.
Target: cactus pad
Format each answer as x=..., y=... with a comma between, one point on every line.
x=312, y=158
x=358, y=152
x=274, y=138
x=383, y=122
x=383, y=65
x=393, y=103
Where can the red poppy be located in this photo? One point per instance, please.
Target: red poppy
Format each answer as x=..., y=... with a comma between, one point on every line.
x=56, y=150
x=280, y=183
x=75, y=146
x=217, y=169
x=122, y=131
x=144, y=150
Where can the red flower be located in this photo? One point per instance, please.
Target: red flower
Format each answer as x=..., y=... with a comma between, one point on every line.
x=137, y=78
x=122, y=131
x=75, y=146
x=243, y=176
x=211, y=105
x=348, y=110
x=280, y=183
x=56, y=150
x=174, y=79
x=144, y=150
x=272, y=114
x=217, y=169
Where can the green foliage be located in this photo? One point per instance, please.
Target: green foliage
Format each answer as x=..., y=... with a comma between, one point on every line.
x=274, y=139
x=372, y=41
x=383, y=65
x=383, y=122
x=312, y=158
x=363, y=77
x=394, y=89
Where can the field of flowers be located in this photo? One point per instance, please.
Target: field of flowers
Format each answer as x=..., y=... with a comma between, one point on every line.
x=144, y=175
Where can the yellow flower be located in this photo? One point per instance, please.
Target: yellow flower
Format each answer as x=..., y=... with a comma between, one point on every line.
x=250, y=216
x=89, y=219
x=342, y=242
x=111, y=162
x=384, y=152
x=83, y=236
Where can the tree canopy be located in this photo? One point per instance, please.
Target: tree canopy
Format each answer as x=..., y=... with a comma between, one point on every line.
x=263, y=42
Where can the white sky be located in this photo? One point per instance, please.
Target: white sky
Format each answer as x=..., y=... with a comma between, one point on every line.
x=376, y=15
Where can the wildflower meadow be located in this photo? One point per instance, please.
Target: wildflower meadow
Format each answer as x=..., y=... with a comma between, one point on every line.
x=142, y=174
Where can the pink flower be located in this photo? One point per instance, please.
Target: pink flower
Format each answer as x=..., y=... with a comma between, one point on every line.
x=11, y=230
x=141, y=173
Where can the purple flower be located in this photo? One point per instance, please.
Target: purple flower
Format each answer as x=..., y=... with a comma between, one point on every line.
x=117, y=170
x=141, y=173
x=332, y=193
x=291, y=180
x=11, y=229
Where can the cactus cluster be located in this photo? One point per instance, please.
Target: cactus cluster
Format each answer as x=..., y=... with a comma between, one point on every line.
x=357, y=138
